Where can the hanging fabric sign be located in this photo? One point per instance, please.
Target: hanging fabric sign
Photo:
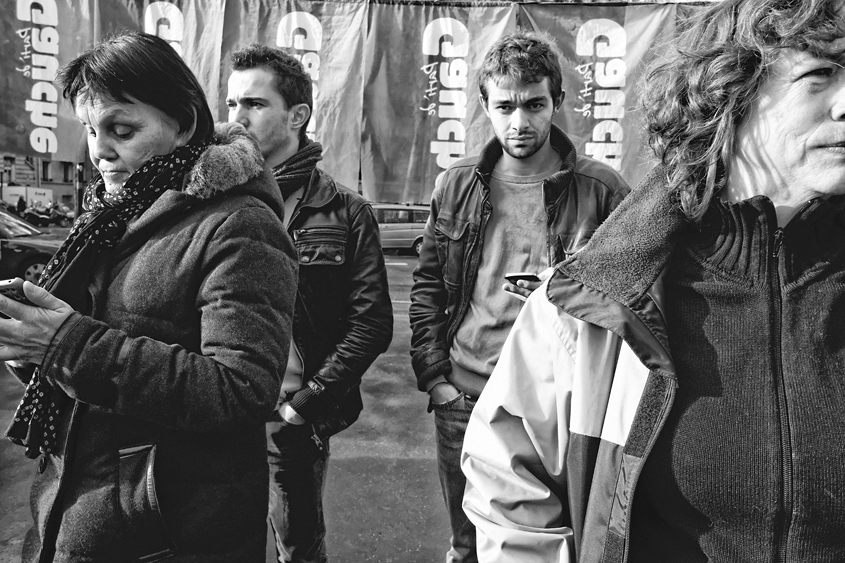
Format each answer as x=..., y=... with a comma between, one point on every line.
x=328, y=38
x=421, y=109
x=605, y=51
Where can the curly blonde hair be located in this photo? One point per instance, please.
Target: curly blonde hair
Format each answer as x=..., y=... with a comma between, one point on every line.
x=694, y=98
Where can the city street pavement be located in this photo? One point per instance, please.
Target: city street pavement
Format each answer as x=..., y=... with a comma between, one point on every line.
x=382, y=497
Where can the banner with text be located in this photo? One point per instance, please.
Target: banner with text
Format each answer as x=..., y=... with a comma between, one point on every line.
x=421, y=109
x=193, y=27
x=42, y=35
x=328, y=37
x=38, y=37
x=605, y=51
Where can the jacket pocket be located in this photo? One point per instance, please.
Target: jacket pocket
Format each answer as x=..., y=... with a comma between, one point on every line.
x=321, y=245
x=451, y=236
x=139, y=505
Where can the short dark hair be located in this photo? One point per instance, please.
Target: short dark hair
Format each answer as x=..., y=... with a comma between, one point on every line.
x=292, y=81
x=525, y=57
x=146, y=68
x=696, y=95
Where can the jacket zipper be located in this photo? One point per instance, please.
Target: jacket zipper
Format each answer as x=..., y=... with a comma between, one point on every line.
x=318, y=389
x=782, y=405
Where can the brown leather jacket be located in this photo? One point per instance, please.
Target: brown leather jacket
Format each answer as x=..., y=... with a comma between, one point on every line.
x=578, y=199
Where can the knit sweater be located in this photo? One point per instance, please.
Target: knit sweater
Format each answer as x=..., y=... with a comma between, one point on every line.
x=750, y=465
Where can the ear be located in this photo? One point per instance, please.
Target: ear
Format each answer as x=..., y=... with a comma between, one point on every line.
x=299, y=114
x=184, y=137
x=560, y=102
x=483, y=104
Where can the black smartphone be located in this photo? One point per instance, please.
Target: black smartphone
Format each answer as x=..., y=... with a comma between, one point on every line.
x=514, y=277
x=13, y=289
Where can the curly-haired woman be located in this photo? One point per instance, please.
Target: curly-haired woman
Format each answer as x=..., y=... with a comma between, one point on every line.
x=676, y=391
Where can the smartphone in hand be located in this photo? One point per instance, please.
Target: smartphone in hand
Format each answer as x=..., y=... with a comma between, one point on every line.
x=13, y=289
x=514, y=277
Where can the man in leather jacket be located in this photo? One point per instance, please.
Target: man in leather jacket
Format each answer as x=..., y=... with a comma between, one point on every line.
x=525, y=203
x=343, y=316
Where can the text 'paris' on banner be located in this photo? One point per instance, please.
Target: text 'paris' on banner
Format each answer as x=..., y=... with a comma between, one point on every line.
x=38, y=37
x=605, y=52
x=50, y=33
x=421, y=111
x=395, y=83
x=328, y=38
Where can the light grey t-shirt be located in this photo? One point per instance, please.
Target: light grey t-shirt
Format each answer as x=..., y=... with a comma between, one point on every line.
x=514, y=241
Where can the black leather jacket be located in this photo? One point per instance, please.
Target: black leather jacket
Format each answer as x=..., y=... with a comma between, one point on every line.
x=577, y=199
x=343, y=317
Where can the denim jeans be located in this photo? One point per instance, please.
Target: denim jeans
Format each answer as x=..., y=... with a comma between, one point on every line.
x=298, y=470
x=450, y=422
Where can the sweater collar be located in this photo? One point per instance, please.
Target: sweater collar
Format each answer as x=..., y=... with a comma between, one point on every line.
x=743, y=239
x=628, y=252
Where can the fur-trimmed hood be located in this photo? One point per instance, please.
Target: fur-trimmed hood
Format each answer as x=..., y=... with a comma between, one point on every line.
x=233, y=161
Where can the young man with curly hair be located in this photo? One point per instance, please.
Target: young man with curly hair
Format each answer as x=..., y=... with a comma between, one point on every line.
x=522, y=205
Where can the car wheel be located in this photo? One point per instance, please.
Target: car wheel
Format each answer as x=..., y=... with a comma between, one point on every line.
x=31, y=270
x=418, y=246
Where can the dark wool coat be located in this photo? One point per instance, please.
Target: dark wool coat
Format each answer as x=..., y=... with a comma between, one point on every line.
x=172, y=375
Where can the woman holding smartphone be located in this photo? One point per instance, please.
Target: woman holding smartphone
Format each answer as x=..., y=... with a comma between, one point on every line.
x=153, y=349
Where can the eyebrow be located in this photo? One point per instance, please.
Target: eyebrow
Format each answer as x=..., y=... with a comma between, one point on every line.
x=510, y=101
x=247, y=99
x=109, y=115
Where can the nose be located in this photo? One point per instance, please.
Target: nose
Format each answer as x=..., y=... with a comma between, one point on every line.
x=101, y=148
x=237, y=115
x=838, y=109
x=519, y=120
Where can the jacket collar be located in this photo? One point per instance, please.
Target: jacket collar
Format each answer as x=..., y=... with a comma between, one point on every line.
x=319, y=191
x=556, y=183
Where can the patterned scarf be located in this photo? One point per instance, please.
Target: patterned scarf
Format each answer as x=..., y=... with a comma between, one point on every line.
x=295, y=171
x=36, y=421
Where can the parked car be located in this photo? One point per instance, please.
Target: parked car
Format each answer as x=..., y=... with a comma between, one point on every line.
x=24, y=250
x=401, y=225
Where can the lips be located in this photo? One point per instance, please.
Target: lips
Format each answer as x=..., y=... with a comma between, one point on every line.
x=837, y=144
x=112, y=173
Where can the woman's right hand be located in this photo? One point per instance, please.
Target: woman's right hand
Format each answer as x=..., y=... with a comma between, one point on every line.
x=26, y=336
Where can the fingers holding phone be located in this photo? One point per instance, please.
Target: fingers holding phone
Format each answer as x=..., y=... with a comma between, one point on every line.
x=36, y=316
x=13, y=289
x=522, y=284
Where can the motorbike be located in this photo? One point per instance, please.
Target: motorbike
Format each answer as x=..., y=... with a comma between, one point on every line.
x=42, y=216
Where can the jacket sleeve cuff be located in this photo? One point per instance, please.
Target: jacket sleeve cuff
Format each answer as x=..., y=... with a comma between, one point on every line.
x=67, y=325
x=439, y=368
x=23, y=372
x=306, y=402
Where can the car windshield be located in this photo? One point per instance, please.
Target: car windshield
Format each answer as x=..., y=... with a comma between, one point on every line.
x=11, y=227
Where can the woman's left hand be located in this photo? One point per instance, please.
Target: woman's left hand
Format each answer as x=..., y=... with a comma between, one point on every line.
x=27, y=335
